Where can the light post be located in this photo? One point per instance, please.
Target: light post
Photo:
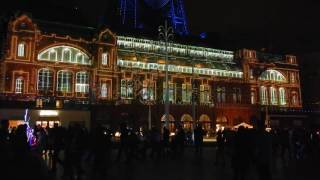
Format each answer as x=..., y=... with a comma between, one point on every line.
x=165, y=33
x=192, y=92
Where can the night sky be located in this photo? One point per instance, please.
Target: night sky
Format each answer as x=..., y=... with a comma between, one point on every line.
x=280, y=26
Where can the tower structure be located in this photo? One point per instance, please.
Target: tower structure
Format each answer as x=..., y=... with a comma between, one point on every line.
x=147, y=13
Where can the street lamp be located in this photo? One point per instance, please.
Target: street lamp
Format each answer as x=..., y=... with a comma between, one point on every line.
x=165, y=33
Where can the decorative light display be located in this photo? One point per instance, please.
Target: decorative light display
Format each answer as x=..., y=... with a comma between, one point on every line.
x=30, y=136
x=179, y=69
x=65, y=54
x=152, y=46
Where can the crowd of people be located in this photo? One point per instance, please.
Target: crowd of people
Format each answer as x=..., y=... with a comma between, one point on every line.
x=70, y=147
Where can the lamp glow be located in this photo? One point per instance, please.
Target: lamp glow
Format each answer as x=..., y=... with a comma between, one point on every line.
x=48, y=113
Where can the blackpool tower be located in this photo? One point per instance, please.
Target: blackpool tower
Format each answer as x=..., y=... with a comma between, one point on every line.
x=149, y=13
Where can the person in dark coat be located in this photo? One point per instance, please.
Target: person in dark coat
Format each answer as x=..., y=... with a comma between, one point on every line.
x=198, y=139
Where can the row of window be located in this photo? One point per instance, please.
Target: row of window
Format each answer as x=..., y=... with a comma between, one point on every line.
x=64, y=81
x=65, y=54
x=274, y=96
x=180, y=69
x=148, y=92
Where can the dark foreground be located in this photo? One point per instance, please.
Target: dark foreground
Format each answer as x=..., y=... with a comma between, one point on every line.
x=191, y=166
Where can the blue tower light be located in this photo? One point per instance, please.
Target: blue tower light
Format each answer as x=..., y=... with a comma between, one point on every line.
x=173, y=10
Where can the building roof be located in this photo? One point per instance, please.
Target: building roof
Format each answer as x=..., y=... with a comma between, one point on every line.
x=76, y=31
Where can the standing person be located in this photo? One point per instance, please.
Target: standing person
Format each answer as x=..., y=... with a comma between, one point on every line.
x=241, y=156
x=155, y=143
x=101, y=147
x=123, y=146
x=180, y=139
x=263, y=152
x=4, y=132
x=165, y=141
x=220, y=160
x=198, y=139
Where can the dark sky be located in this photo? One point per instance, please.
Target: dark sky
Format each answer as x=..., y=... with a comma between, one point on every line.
x=281, y=24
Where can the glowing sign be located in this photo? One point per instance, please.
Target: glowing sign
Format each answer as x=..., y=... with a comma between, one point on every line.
x=48, y=113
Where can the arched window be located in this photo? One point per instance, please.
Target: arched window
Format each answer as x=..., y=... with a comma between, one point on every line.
x=82, y=82
x=171, y=122
x=53, y=55
x=104, y=90
x=263, y=95
x=66, y=55
x=294, y=98
x=21, y=49
x=105, y=59
x=273, y=96
x=79, y=58
x=186, y=120
x=272, y=75
x=64, y=81
x=282, y=96
x=19, y=85
x=45, y=80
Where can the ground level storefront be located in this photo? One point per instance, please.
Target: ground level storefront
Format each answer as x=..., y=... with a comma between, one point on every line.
x=46, y=117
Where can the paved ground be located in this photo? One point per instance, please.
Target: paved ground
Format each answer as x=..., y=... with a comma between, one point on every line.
x=190, y=167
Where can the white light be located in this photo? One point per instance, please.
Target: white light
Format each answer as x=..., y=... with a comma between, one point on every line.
x=172, y=134
x=117, y=134
x=48, y=113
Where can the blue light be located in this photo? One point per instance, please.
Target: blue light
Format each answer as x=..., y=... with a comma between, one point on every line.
x=203, y=35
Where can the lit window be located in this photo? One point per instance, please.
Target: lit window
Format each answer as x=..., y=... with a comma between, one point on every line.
x=19, y=85
x=104, y=58
x=79, y=58
x=253, y=98
x=272, y=75
x=251, y=73
x=273, y=96
x=172, y=92
x=21, y=49
x=126, y=89
x=186, y=93
x=104, y=90
x=45, y=80
x=236, y=95
x=292, y=77
x=282, y=96
x=263, y=95
x=205, y=94
x=221, y=94
x=148, y=90
x=64, y=81
x=82, y=82
x=66, y=55
x=294, y=98
x=53, y=55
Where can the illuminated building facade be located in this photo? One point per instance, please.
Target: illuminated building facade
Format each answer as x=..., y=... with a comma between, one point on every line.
x=94, y=76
